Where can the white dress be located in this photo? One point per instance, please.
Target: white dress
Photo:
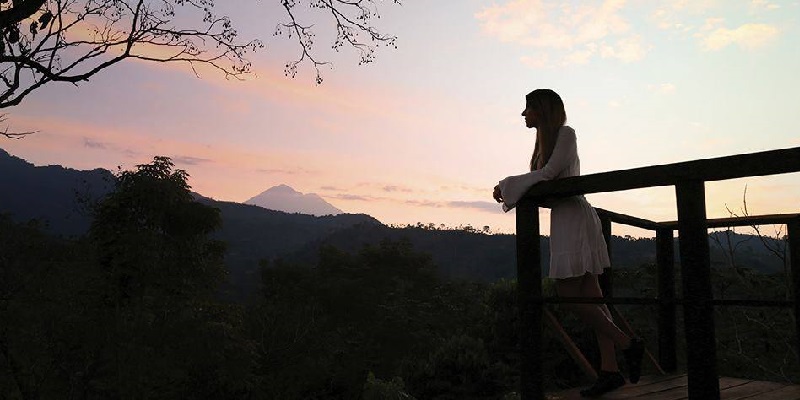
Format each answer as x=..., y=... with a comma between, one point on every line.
x=577, y=245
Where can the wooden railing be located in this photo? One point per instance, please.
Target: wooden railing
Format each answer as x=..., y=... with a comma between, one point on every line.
x=689, y=179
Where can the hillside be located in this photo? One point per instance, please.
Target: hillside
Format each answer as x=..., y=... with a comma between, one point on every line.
x=253, y=233
x=56, y=195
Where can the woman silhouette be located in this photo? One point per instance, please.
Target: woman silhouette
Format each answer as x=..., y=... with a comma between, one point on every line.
x=577, y=249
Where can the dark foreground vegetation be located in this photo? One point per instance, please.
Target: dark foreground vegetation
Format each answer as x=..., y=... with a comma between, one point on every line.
x=132, y=310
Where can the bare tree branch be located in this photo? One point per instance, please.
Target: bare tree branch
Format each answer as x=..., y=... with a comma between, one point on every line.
x=18, y=11
x=12, y=135
x=352, y=21
x=45, y=41
x=75, y=40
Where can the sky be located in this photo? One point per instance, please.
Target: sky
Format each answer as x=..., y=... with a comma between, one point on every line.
x=425, y=132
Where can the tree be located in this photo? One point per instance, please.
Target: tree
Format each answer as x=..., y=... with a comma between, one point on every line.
x=165, y=329
x=128, y=312
x=43, y=41
x=152, y=238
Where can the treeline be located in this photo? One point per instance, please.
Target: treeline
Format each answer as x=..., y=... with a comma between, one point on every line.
x=133, y=310
x=127, y=311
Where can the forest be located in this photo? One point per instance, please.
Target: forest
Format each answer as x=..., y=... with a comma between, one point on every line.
x=133, y=310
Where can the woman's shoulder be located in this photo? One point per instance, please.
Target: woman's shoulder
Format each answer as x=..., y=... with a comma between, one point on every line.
x=566, y=131
x=566, y=128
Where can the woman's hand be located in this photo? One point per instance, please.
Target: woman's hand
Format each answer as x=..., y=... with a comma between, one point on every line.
x=498, y=197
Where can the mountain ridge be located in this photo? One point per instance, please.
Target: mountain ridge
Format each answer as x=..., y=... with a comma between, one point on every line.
x=284, y=198
x=255, y=234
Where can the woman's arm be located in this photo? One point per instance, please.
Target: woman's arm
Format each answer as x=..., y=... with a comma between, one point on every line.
x=565, y=151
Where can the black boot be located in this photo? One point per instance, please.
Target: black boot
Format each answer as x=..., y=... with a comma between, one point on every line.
x=606, y=382
x=633, y=357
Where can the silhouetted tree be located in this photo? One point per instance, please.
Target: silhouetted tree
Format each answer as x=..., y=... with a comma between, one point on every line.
x=162, y=272
x=43, y=41
x=40, y=312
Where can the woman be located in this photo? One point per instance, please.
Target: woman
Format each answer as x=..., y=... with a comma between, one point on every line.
x=577, y=249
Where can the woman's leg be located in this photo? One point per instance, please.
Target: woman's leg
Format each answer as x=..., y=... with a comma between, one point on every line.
x=590, y=287
x=596, y=316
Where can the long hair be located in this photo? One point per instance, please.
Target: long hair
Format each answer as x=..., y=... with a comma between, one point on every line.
x=551, y=116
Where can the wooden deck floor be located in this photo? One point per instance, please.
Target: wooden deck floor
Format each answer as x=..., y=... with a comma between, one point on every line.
x=673, y=387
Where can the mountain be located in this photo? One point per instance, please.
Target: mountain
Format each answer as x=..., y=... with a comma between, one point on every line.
x=254, y=234
x=60, y=197
x=284, y=198
x=56, y=196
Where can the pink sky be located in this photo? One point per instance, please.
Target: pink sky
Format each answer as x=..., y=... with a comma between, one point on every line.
x=424, y=133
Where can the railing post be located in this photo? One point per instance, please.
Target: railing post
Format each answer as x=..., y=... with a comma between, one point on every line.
x=667, y=332
x=793, y=233
x=606, y=279
x=529, y=291
x=698, y=312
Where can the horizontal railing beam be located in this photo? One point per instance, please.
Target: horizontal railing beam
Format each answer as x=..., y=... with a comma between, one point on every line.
x=654, y=301
x=771, y=219
x=748, y=220
x=628, y=220
x=714, y=169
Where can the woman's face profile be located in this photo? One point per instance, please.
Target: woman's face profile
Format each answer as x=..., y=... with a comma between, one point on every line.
x=530, y=117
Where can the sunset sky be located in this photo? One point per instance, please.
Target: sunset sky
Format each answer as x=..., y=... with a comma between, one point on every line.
x=425, y=132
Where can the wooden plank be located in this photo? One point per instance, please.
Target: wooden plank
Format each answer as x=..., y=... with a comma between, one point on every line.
x=654, y=301
x=754, y=303
x=599, y=300
x=749, y=389
x=529, y=292
x=763, y=163
x=628, y=220
x=680, y=393
x=771, y=219
x=793, y=232
x=784, y=393
x=648, y=384
x=701, y=355
x=671, y=386
x=667, y=309
x=606, y=279
x=675, y=387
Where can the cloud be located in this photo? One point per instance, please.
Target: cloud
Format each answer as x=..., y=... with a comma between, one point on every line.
x=747, y=36
x=91, y=143
x=486, y=206
x=425, y=203
x=581, y=56
x=763, y=5
x=94, y=144
x=284, y=171
x=662, y=88
x=579, y=31
x=394, y=188
x=385, y=187
x=477, y=205
x=676, y=15
x=188, y=160
x=550, y=24
x=627, y=49
x=130, y=153
x=352, y=197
